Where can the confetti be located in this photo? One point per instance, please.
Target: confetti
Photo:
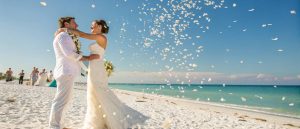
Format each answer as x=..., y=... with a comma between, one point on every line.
x=260, y=97
x=279, y=50
x=234, y=5
x=43, y=4
x=209, y=80
x=222, y=100
x=243, y=99
x=251, y=10
x=293, y=12
x=275, y=39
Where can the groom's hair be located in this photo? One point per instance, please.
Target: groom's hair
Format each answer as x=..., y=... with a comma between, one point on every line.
x=63, y=20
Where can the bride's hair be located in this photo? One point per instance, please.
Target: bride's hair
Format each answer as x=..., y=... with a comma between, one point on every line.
x=102, y=23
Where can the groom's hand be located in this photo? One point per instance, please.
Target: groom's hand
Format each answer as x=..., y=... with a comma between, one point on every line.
x=84, y=58
x=94, y=56
x=90, y=57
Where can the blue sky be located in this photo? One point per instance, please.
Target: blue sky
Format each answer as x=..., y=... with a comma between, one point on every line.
x=238, y=41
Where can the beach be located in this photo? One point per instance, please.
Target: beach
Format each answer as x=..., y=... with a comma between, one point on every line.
x=28, y=107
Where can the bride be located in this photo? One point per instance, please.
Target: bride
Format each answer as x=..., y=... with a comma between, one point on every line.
x=104, y=109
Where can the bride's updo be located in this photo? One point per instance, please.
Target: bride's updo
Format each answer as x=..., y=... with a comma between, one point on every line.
x=102, y=23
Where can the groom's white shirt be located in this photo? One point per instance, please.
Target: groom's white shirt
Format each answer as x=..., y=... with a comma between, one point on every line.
x=67, y=60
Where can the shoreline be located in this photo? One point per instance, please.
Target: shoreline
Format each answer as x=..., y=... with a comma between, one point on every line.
x=230, y=110
x=225, y=105
x=245, y=108
x=24, y=106
x=217, y=84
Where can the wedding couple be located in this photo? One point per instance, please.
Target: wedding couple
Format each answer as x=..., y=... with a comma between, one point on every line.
x=104, y=109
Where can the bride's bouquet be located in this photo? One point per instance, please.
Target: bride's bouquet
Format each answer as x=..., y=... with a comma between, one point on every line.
x=109, y=67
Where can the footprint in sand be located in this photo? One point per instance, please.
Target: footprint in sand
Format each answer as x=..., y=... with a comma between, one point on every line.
x=260, y=119
x=292, y=125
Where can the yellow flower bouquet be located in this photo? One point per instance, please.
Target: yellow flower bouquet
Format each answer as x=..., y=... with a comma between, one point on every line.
x=109, y=67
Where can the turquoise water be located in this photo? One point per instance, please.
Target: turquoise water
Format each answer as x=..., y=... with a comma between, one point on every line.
x=281, y=99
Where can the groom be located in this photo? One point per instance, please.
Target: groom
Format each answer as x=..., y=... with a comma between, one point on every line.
x=66, y=70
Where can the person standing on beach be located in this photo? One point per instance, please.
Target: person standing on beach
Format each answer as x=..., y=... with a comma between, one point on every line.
x=100, y=99
x=9, y=75
x=37, y=72
x=42, y=78
x=21, y=77
x=50, y=76
x=33, y=76
x=67, y=53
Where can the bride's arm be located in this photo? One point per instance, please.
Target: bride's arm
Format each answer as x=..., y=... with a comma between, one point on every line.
x=97, y=37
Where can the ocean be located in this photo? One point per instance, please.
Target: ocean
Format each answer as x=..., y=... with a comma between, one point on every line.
x=280, y=99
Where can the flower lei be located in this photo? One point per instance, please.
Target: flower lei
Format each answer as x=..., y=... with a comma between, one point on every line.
x=76, y=41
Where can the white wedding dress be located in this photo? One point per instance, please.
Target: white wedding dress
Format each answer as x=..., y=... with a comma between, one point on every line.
x=42, y=80
x=104, y=109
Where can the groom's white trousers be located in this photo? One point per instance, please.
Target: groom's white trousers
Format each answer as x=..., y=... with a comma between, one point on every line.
x=61, y=101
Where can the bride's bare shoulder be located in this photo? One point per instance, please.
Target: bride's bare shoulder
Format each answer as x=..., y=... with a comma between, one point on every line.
x=101, y=36
x=101, y=39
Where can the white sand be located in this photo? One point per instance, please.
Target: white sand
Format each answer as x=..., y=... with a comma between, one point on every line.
x=28, y=107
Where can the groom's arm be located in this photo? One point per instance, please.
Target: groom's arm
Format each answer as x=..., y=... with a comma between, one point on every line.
x=90, y=57
x=66, y=44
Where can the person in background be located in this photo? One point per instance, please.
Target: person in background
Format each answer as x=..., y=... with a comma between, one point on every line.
x=9, y=73
x=50, y=76
x=33, y=76
x=42, y=78
x=21, y=77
